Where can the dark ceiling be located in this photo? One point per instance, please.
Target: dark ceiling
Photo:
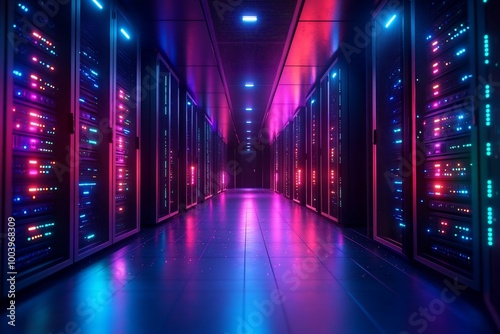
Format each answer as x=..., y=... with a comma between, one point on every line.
x=215, y=53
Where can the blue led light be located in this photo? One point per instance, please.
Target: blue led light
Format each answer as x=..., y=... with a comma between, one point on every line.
x=249, y=84
x=248, y=109
x=23, y=7
x=249, y=122
x=124, y=33
x=249, y=18
x=488, y=115
x=390, y=21
x=334, y=75
x=97, y=4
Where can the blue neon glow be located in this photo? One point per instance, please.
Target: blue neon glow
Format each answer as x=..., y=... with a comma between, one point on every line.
x=248, y=109
x=334, y=75
x=249, y=84
x=97, y=4
x=23, y=7
x=249, y=18
x=312, y=101
x=390, y=21
x=124, y=33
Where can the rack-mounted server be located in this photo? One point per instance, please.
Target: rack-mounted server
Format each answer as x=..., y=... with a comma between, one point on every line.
x=391, y=128
x=161, y=143
x=447, y=217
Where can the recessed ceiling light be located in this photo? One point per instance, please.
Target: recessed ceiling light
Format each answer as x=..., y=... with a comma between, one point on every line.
x=249, y=84
x=248, y=109
x=249, y=122
x=249, y=138
x=249, y=18
x=249, y=131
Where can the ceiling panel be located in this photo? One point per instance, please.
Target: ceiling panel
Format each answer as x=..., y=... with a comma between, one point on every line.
x=314, y=43
x=185, y=10
x=185, y=42
x=214, y=53
x=306, y=75
x=335, y=10
x=204, y=79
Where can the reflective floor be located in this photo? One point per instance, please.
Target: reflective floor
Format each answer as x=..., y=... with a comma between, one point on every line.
x=249, y=261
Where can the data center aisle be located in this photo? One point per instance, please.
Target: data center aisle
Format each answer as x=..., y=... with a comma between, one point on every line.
x=249, y=261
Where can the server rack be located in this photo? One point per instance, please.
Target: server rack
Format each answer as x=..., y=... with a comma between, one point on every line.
x=287, y=159
x=277, y=167
x=3, y=107
x=391, y=127
x=488, y=83
x=208, y=157
x=92, y=135
x=191, y=152
x=125, y=122
x=38, y=188
x=298, y=156
x=175, y=142
x=331, y=120
x=312, y=150
x=160, y=142
x=447, y=212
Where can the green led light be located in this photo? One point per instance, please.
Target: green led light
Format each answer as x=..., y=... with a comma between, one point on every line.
x=489, y=188
x=488, y=149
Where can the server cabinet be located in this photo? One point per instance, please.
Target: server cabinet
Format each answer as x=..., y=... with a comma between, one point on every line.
x=287, y=160
x=312, y=150
x=298, y=156
x=447, y=213
x=331, y=120
x=93, y=139
x=125, y=111
x=208, y=157
x=38, y=136
x=488, y=82
x=175, y=165
x=160, y=142
x=391, y=127
x=3, y=107
x=277, y=167
x=191, y=152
